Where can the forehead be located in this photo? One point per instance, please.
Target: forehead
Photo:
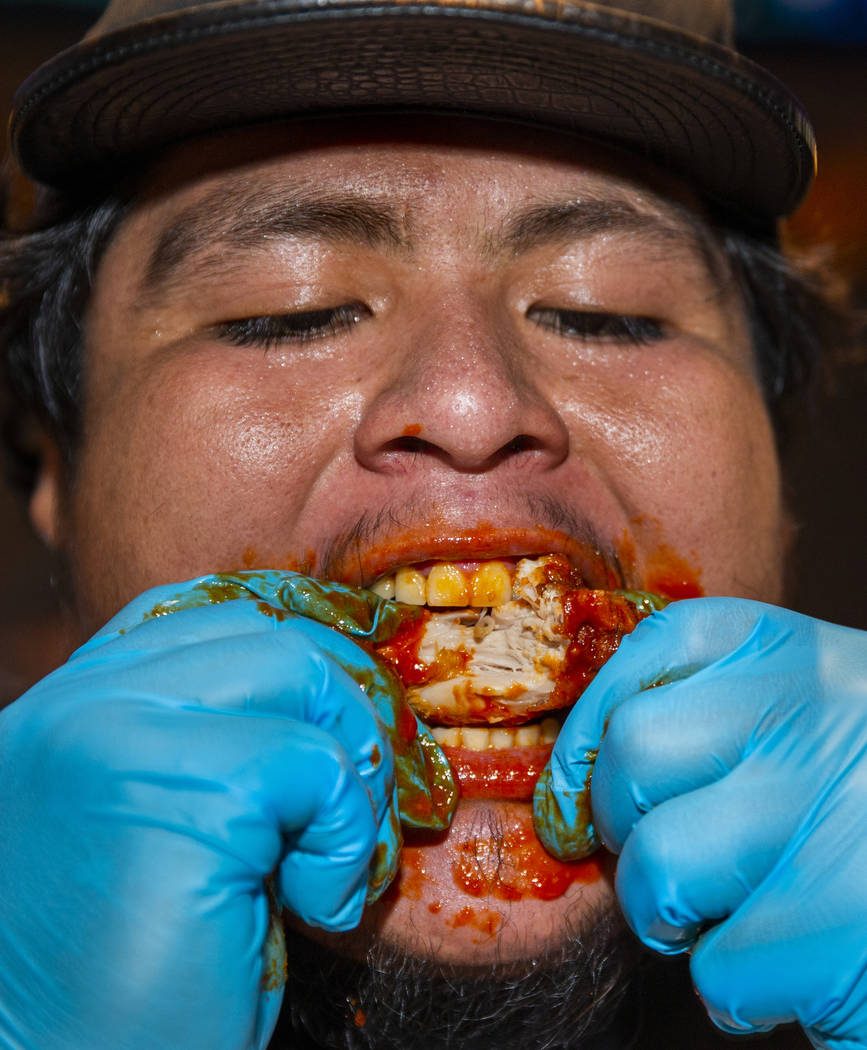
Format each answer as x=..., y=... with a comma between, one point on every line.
x=434, y=172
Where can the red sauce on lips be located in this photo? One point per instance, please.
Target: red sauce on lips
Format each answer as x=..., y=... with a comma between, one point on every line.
x=440, y=541
x=508, y=773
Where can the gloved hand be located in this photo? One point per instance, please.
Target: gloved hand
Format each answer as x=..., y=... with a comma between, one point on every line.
x=205, y=740
x=731, y=777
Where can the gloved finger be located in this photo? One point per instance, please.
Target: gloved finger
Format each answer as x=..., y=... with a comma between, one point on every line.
x=562, y=811
x=385, y=862
x=278, y=791
x=670, y=646
x=427, y=793
x=748, y=985
x=272, y=593
x=685, y=636
x=426, y=789
x=323, y=877
x=206, y=607
x=279, y=673
x=694, y=859
x=156, y=603
x=224, y=606
x=273, y=983
x=795, y=949
x=246, y=787
x=352, y=610
x=666, y=742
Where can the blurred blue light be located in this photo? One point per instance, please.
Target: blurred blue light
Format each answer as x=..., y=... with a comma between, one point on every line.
x=807, y=21
x=759, y=21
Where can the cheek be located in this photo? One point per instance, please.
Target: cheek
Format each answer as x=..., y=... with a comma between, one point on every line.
x=181, y=477
x=690, y=456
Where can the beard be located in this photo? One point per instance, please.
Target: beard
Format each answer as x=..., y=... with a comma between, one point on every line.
x=573, y=997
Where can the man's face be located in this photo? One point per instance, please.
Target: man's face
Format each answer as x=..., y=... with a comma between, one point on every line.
x=349, y=351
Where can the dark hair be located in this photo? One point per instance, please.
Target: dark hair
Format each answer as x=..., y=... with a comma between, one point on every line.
x=46, y=277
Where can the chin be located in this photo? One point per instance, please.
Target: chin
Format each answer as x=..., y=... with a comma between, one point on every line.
x=486, y=892
x=483, y=893
x=492, y=973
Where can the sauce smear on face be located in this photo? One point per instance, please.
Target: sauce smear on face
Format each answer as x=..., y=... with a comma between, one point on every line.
x=664, y=571
x=513, y=864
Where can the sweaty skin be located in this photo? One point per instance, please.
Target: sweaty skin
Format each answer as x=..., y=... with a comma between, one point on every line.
x=446, y=395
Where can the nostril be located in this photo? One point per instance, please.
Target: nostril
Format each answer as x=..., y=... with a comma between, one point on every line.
x=410, y=443
x=407, y=443
x=418, y=422
x=522, y=443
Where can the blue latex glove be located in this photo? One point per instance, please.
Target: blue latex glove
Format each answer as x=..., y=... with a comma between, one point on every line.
x=731, y=778
x=204, y=753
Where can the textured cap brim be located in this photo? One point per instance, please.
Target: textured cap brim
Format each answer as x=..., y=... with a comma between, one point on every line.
x=693, y=107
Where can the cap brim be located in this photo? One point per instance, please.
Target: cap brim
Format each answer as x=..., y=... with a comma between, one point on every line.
x=693, y=107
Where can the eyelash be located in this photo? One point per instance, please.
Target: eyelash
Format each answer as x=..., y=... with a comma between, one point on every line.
x=273, y=329
x=595, y=325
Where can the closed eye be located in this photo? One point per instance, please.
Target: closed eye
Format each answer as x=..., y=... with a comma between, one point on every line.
x=304, y=326
x=598, y=326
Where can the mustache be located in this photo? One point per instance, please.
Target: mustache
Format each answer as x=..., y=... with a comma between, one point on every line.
x=572, y=998
x=372, y=528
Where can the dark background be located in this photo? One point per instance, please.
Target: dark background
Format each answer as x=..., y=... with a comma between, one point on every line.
x=818, y=48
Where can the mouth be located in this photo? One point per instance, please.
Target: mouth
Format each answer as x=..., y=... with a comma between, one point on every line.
x=499, y=651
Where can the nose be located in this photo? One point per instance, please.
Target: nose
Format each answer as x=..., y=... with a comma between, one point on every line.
x=462, y=393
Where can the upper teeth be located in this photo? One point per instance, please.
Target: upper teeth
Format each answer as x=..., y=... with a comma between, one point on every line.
x=446, y=584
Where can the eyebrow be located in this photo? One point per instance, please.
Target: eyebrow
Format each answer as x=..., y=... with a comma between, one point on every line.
x=564, y=221
x=228, y=219
x=243, y=219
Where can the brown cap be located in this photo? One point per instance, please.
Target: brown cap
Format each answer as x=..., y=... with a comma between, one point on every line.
x=657, y=77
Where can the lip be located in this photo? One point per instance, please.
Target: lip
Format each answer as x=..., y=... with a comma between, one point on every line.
x=482, y=542
x=510, y=774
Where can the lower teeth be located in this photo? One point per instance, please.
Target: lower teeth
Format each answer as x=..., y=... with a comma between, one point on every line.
x=482, y=738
